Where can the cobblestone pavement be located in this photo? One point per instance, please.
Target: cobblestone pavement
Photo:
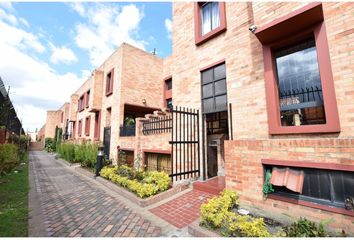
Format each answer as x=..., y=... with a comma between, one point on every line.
x=72, y=207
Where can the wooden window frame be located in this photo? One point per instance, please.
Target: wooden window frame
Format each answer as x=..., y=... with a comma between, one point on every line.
x=199, y=38
x=308, y=21
x=109, y=85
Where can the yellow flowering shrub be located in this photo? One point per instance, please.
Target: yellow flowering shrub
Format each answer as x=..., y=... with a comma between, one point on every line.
x=215, y=211
x=150, y=184
x=218, y=214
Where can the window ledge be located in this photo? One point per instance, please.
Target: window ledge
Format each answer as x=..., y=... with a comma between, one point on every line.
x=312, y=205
x=201, y=39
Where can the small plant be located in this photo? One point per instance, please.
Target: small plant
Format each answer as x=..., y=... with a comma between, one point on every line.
x=305, y=228
x=267, y=186
x=129, y=121
x=49, y=144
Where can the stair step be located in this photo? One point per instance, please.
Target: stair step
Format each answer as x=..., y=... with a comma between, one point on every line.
x=213, y=185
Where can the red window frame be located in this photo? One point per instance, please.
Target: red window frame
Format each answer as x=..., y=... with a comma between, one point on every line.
x=167, y=93
x=199, y=38
x=109, y=84
x=97, y=125
x=87, y=98
x=79, y=128
x=87, y=125
x=306, y=21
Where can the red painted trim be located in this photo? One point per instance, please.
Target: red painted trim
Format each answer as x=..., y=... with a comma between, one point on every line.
x=311, y=204
x=87, y=125
x=302, y=164
x=212, y=65
x=310, y=8
x=127, y=149
x=199, y=39
x=109, y=89
x=167, y=94
x=97, y=125
x=272, y=99
x=167, y=78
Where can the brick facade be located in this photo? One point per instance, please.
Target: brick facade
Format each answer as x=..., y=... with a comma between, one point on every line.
x=138, y=80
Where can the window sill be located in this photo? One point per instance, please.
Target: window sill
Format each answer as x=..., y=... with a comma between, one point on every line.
x=109, y=93
x=320, y=128
x=217, y=31
x=312, y=205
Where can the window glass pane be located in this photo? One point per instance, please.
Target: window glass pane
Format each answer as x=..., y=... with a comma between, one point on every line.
x=220, y=72
x=220, y=87
x=207, y=90
x=215, y=15
x=206, y=18
x=299, y=85
x=207, y=76
x=208, y=105
x=220, y=103
x=168, y=84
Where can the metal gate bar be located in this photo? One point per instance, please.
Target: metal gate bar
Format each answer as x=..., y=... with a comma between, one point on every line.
x=185, y=143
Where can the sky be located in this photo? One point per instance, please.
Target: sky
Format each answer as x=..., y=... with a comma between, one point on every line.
x=48, y=49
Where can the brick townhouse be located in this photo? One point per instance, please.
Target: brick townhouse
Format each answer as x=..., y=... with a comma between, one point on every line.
x=255, y=87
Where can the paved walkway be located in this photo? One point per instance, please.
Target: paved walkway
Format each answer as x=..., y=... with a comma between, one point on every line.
x=71, y=206
x=184, y=210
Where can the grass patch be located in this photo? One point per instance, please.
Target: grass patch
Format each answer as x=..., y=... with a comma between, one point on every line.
x=14, y=189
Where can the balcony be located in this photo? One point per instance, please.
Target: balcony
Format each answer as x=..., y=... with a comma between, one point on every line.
x=127, y=131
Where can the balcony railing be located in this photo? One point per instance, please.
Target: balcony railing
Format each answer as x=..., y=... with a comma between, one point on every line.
x=126, y=131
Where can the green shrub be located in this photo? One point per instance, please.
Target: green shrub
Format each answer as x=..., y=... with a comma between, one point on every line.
x=215, y=212
x=244, y=226
x=9, y=156
x=49, y=144
x=141, y=183
x=218, y=214
x=85, y=154
x=304, y=228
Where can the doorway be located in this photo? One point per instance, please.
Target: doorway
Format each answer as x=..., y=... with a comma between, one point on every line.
x=217, y=132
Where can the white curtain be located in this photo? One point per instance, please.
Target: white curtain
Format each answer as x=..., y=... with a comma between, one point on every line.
x=206, y=21
x=215, y=15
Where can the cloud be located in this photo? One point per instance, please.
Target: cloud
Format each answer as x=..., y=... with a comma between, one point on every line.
x=19, y=38
x=7, y=5
x=168, y=25
x=35, y=86
x=106, y=28
x=8, y=17
x=78, y=7
x=62, y=54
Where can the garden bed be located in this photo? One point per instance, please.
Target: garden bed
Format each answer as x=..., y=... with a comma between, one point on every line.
x=139, y=201
x=142, y=188
x=221, y=216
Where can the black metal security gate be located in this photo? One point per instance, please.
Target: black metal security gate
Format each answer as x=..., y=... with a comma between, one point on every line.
x=185, y=143
x=107, y=141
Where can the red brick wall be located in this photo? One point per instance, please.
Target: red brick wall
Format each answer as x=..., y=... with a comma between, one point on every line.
x=244, y=171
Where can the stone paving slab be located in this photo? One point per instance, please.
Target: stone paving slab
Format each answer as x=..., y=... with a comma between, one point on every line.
x=72, y=207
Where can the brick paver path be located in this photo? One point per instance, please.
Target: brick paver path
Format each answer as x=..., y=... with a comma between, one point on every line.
x=183, y=210
x=73, y=207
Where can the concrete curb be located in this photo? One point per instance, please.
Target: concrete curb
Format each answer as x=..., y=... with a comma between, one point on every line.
x=197, y=231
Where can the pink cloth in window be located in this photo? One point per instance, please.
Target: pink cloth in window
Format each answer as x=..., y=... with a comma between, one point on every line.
x=289, y=178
